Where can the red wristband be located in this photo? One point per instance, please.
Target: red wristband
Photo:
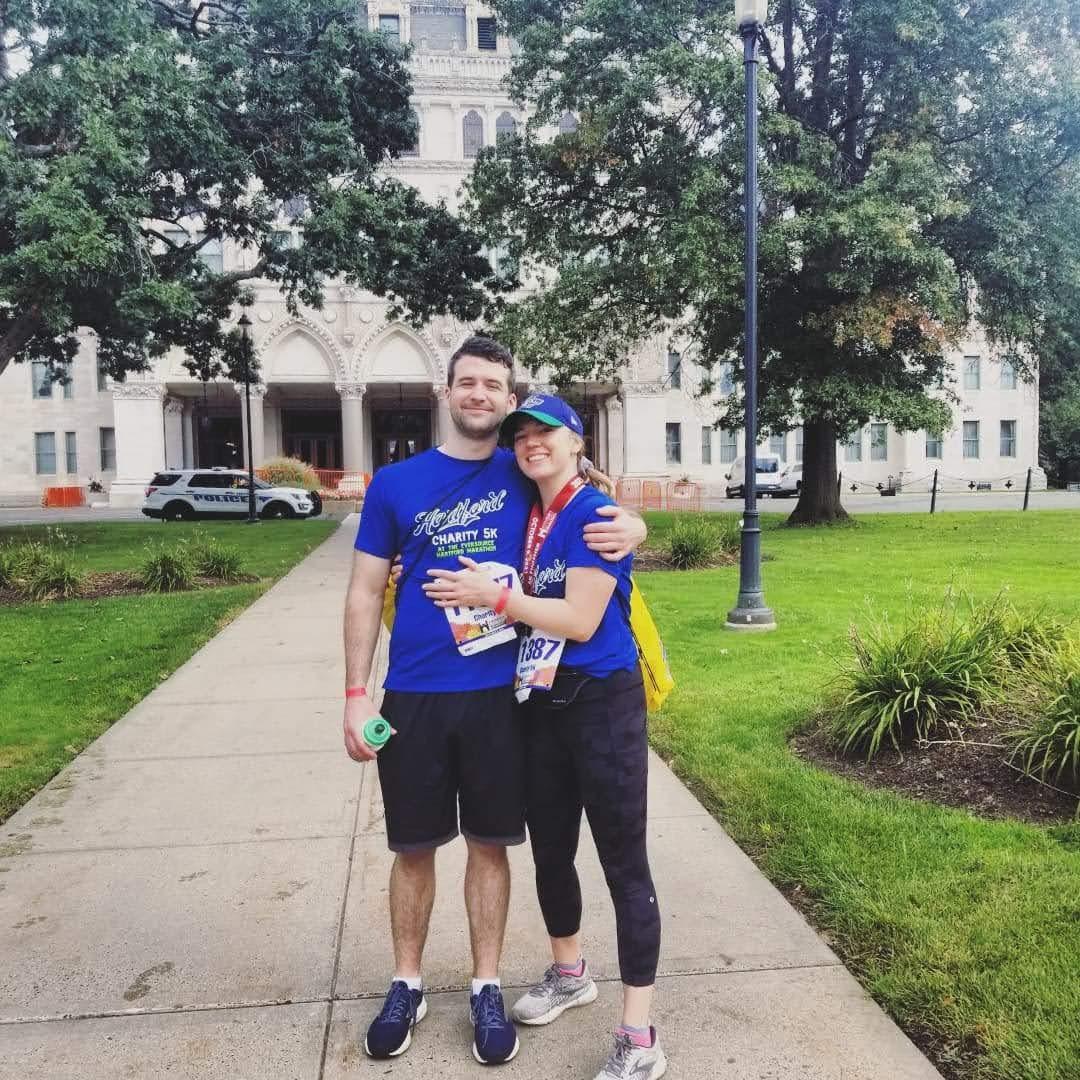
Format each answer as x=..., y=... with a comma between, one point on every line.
x=356, y=691
x=504, y=599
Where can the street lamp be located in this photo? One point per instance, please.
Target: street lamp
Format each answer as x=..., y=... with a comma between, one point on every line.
x=750, y=612
x=245, y=344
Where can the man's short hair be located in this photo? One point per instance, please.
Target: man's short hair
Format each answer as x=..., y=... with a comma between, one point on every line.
x=486, y=348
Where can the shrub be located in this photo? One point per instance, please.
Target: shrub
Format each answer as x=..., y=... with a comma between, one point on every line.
x=19, y=562
x=1048, y=745
x=167, y=570
x=1030, y=637
x=50, y=577
x=290, y=472
x=903, y=683
x=698, y=541
x=214, y=560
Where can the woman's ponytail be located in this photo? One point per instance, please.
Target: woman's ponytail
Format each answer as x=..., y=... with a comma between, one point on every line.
x=599, y=480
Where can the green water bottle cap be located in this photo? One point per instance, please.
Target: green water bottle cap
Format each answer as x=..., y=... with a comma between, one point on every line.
x=376, y=732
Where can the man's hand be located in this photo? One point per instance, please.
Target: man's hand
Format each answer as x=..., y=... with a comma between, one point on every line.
x=358, y=711
x=615, y=539
x=396, y=570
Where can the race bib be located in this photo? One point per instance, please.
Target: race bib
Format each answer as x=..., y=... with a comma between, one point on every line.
x=478, y=629
x=538, y=661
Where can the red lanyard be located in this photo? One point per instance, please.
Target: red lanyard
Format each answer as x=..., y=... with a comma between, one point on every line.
x=537, y=531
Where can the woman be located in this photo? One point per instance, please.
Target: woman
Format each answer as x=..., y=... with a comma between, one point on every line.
x=585, y=720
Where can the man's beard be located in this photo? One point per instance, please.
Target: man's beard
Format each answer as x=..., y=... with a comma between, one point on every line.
x=476, y=427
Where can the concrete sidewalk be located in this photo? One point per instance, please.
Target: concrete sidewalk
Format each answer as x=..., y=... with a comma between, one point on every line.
x=202, y=894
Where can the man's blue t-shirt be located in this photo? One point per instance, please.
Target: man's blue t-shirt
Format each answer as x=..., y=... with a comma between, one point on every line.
x=430, y=509
x=612, y=647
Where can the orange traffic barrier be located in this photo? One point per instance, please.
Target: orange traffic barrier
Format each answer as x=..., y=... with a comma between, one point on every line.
x=63, y=497
x=652, y=495
x=628, y=493
x=683, y=496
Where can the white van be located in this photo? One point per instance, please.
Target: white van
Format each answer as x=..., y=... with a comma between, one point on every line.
x=769, y=468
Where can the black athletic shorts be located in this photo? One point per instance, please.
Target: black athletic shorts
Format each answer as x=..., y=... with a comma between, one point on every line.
x=454, y=749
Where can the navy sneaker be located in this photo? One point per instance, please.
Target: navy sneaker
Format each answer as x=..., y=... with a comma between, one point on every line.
x=495, y=1040
x=391, y=1031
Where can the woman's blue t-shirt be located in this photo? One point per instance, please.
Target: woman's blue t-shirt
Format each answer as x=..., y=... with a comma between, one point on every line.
x=430, y=509
x=612, y=647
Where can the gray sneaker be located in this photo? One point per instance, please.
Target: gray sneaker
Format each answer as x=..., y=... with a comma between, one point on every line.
x=631, y=1062
x=551, y=997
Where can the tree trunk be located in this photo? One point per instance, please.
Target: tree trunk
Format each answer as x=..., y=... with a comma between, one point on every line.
x=819, y=499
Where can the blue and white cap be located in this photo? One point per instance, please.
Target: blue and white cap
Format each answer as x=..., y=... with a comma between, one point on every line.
x=547, y=409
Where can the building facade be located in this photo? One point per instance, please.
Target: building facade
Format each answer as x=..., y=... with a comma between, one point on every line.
x=345, y=388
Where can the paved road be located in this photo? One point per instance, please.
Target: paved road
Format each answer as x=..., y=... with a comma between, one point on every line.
x=920, y=503
x=33, y=515
x=202, y=894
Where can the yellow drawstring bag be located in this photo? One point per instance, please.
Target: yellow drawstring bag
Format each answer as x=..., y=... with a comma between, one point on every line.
x=652, y=656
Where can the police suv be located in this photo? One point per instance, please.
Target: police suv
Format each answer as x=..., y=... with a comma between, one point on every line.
x=186, y=494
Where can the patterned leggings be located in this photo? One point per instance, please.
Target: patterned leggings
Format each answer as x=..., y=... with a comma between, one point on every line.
x=587, y=749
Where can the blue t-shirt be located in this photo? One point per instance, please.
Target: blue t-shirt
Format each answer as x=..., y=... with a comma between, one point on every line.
x=430, y=509
x=612, y=647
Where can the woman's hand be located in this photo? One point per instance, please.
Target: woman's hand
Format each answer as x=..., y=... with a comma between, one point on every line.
x=463, y=588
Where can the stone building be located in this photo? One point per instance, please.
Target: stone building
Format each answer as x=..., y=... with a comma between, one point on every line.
x=344, y=388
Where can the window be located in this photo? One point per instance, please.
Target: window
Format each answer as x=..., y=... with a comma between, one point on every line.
x=727, y=379
x=42, y=379
x=972, y=366
x=674, y=444
x=438, y=26
x=1008, y=375
x=778, y=446
x=414, y=150
x=673, y=370
x=72, y=458
x=107, y=442
x=390, y=25
x=729, y=446
x=879, y=442
x=971, y=438
x=798, y=444
x=487, y=34
x=505, y=127
x=210, y=255
x=44, y=452
x=567, y=123
x=211, y=480
x=933, y=445
x=706, y=445
x=472, y=130
x=853, y=447
x=1008, y=438
x=68, y=384
x=295, y=206
x=102, y=378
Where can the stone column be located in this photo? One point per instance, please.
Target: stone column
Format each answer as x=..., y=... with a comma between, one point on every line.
x=139, y=428
x=258, y=438
x=443, y=423
x=187, y=429
x=352, y=424
x=645, y=407
x=616, y=436
x=174, y=433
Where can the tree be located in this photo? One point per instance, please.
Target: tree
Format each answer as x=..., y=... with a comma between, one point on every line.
x=135, y=134
x=902, y=142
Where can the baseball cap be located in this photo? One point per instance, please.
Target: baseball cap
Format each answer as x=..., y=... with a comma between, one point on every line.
x=547, y=409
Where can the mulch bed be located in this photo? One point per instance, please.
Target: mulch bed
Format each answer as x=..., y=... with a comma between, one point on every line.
x=115, y=583
x=966, y=775
x=647, y=560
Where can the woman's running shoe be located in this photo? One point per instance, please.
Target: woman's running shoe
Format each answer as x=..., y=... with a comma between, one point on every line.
x=628, y=1061
x=553, y=995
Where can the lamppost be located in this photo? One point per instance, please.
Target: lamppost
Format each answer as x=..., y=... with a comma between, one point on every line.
x=750, y=612
x=245, y=344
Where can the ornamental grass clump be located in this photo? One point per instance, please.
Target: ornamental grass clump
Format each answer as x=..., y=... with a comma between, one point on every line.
x=903, y=684
x=219, y=561
x=290, y=472
x=695, y=542
x=52, y=577
x=167, y=569
x=1047, y=744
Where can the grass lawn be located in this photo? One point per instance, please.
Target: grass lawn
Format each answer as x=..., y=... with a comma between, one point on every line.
x=967, y=931
x=70, y=669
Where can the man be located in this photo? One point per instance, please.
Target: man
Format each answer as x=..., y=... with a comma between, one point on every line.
x=457, y=739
